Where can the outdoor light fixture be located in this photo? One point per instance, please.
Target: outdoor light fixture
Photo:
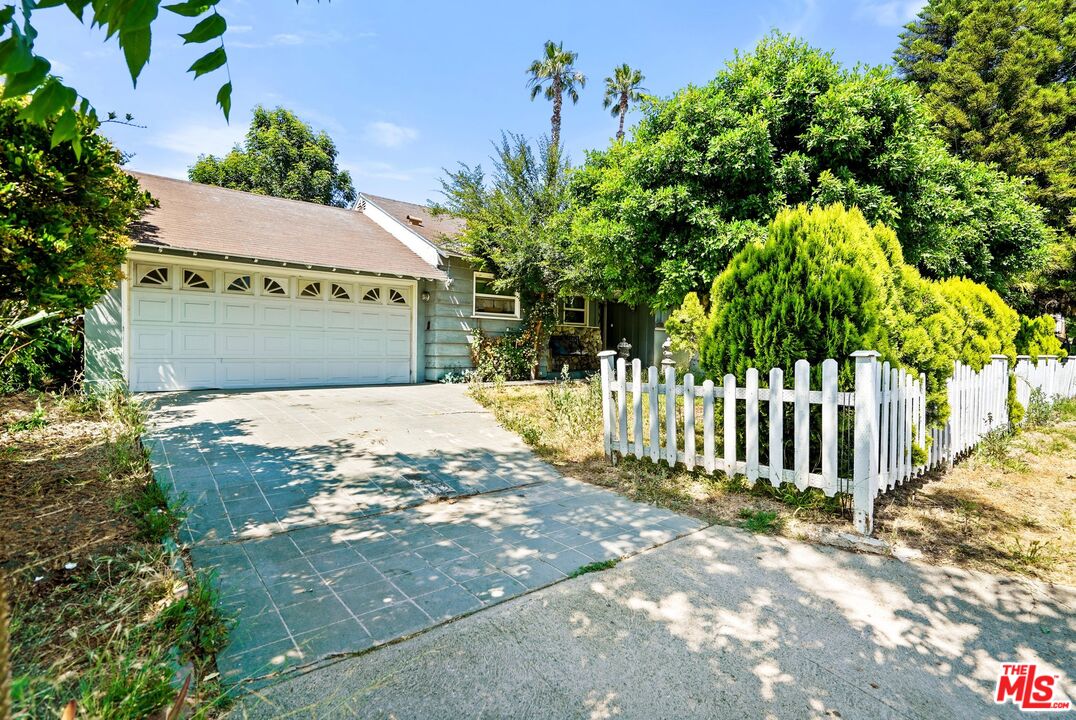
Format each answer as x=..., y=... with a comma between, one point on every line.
x=425, y=296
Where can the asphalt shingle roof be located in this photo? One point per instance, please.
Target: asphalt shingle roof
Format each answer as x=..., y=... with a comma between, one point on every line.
x=210, y=219
x=441, y=230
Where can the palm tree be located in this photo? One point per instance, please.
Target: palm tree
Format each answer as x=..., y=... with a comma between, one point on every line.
x=555, y=74
x=622, y=88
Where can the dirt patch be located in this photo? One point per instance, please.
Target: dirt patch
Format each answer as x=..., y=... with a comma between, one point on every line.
x=1009, y=508
x=59, y=489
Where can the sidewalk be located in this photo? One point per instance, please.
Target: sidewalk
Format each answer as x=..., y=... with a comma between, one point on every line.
x=720, y=623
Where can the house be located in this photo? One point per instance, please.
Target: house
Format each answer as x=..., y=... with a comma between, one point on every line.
x=229, y=289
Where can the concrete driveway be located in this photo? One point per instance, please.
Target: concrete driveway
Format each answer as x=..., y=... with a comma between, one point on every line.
x=338, y=519
x=718, y=624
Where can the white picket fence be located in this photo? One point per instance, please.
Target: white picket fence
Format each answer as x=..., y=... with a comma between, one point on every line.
x=1055, y=378
x=861, y=442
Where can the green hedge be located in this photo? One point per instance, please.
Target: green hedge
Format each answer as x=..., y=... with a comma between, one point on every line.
x=825, y=283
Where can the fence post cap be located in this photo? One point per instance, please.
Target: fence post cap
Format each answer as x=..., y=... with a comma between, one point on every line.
x=668, y=362
x=1001, y=357
x=607, y=353
x=1023, y=357
x=866, y=354
x=1047, y=357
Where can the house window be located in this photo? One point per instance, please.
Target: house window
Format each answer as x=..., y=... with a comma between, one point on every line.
x=489, y=302
x=272, y=286
x=309, y=289
x=372, y=295
x=241, y=284
x=152, y=276
x=197, y=280
x=573, y=311
x=397, y=297
x=340, y=292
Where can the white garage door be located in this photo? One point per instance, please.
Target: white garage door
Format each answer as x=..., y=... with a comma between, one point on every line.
x=193, y=328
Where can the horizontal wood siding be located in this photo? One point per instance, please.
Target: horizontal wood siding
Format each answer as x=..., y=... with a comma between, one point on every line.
x=449, y=322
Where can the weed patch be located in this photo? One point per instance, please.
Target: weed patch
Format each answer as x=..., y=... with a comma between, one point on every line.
x=593, y=567
x=760, y=521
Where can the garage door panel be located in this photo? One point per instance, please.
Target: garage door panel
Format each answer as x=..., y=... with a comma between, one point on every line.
x=397, y=371
x=273, y=373
x=396, y=319
x=370, y=345
x=396, y=346
x=338, y=345
x=309, y=318
x=190, y=339
x=199, y=310
x=153, y=341
x=308, y=371
x=372, y=318
x=151, y=307
x=238, y=373
x=341, y=319
x=274, y=314
x=196, y=342
x=274, y=344
x=236, y=343
x=309, y=345
x=237, y=312
x=341, y=371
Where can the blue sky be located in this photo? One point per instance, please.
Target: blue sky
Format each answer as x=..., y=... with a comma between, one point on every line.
x=407, y=89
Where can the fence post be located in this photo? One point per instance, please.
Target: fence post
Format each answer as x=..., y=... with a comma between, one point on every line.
x=866, y=439
x=605, y=361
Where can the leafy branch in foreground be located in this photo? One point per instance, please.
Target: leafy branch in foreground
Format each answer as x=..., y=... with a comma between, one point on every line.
x=24, y=71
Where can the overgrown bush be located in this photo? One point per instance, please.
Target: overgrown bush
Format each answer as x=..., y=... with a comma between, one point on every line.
x=686, y=325
x=510, y=356
x=1036, y=337
x=43, y=356
x=826, y=283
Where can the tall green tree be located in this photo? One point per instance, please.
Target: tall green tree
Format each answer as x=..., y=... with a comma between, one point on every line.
x=661, y=214
x=555, y=76
x=63, y=232
x=515, y=227
x=623, y=87
x=283, y=157
x=998, y=76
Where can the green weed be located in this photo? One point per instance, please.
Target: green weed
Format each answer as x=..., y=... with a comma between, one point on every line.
x=761, y=521
x=34, y=421
x=593, y=567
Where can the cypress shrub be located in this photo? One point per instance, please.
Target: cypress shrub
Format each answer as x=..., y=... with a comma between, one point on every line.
x=825, y=283
x=1036, y=337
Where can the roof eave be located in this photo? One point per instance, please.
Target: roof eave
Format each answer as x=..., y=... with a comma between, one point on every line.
x=151, y=248
x=440, y=250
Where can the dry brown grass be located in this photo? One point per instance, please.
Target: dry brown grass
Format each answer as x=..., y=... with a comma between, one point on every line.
x=575, y=448
x=1011, y=511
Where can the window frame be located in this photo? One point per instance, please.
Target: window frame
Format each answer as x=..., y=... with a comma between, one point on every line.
x=491, y=296
x=143, y=269
x=209, y=277
x=585, y=310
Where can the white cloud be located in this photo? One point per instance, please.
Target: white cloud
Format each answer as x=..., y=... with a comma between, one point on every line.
x=890, y=13
x=197, y=139
x=377, y=170
x=390, y=135
x=289, y=40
